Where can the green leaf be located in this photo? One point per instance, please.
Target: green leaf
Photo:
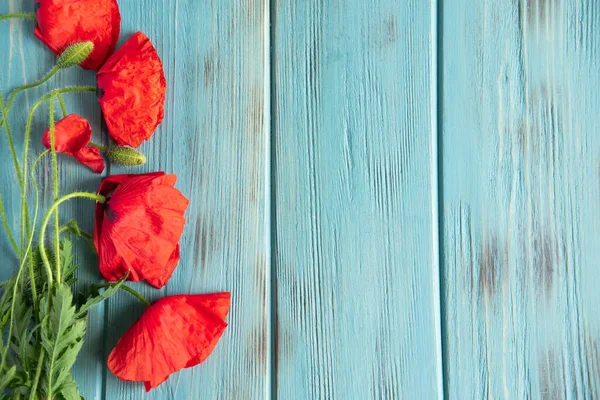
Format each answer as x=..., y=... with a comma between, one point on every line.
x=67, y=259
x=69, y=390
x=72, y=227
x=21, y=344
x=62, y=338
x=6, y=378
x=75, y=54
x=97, y=299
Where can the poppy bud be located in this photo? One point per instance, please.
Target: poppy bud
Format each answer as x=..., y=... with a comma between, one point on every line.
x=75, y=54
x=125, y=156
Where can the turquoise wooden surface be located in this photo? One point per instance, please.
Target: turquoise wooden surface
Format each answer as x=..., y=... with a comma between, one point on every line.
x=308, y=136
x=521, y=205
x=354, y=254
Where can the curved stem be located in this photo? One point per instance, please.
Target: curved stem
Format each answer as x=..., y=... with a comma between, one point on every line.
x=99, y=147
x=18, y=15
x=18, y=277
x=62, y=104
x=28, y=134
x=83, y=234
x=31, y=271
x=7, y=228
x=11, y=144
x=36, y=379
x=56, y=191
x=49, y=75
x=46, y=220
x=129, y=290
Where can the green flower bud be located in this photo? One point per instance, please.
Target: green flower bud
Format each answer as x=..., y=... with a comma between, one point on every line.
x=75, y=54
x=125, y=156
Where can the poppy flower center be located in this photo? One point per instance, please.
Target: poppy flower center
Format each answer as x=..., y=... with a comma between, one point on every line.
x=109, y=213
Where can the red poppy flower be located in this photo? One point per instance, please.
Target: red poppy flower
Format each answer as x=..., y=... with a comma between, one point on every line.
x=131, y=90
x=61, y=23
x=72, y=135
x=138, y=228
x=174, y=333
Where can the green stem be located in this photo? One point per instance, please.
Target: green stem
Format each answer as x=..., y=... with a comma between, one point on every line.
x=36, y=379
x=19, y=15
x=84, y=234
x=7, y=228
x=13, y=153
x=11, y=143
x=49, y=75
x=62, y=104
x=31, y=270
x=46, y=220
x=99, y=147
x=28, y=135
x=56, y=192
x=129, y=290
x=18, y=277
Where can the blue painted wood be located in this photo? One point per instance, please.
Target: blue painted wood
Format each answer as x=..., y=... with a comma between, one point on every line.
x=521, y=208
x=213, y=138
x=355, y=256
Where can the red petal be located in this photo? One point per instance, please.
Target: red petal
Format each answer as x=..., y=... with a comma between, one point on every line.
x=91, y=158
x=132, y=86
x=174, y=333
x=71, y=133
x=139, y=227
x=61, y=23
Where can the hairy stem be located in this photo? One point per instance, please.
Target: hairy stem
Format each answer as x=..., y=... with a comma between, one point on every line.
x=7, y=228
x=31, y=271
x=18, y=15
x=129, y=290
x=46, y=220
x=99, y=147
x=56, y=192
x=31, y=85
x=62, y=104
x=28, y=135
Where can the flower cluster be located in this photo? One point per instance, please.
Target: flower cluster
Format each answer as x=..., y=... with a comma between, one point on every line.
x=139, y=218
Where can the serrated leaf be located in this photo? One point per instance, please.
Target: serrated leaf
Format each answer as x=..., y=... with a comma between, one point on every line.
x=97, y=299
x=7, y=377
x=62, y=338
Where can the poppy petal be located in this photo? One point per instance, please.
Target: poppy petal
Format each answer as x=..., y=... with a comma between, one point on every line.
x=174, y=333
x=61, y=23
x=91, y=158
x=132, y=86
x=139, y=226
x=71, y=134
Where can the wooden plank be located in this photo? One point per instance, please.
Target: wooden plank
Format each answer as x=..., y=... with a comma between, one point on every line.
x=213, y=139
x=521, y=198
x=354, y=253
x=24, y=60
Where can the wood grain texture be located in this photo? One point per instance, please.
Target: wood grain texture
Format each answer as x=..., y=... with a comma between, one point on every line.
x=521, y=204
x=353, y=253
x=213, y=139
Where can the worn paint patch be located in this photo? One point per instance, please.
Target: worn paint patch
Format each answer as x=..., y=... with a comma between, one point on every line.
x=545, y=258
x=204, y=240
x=551, y=374
x=210, y=68
x=489, y=266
